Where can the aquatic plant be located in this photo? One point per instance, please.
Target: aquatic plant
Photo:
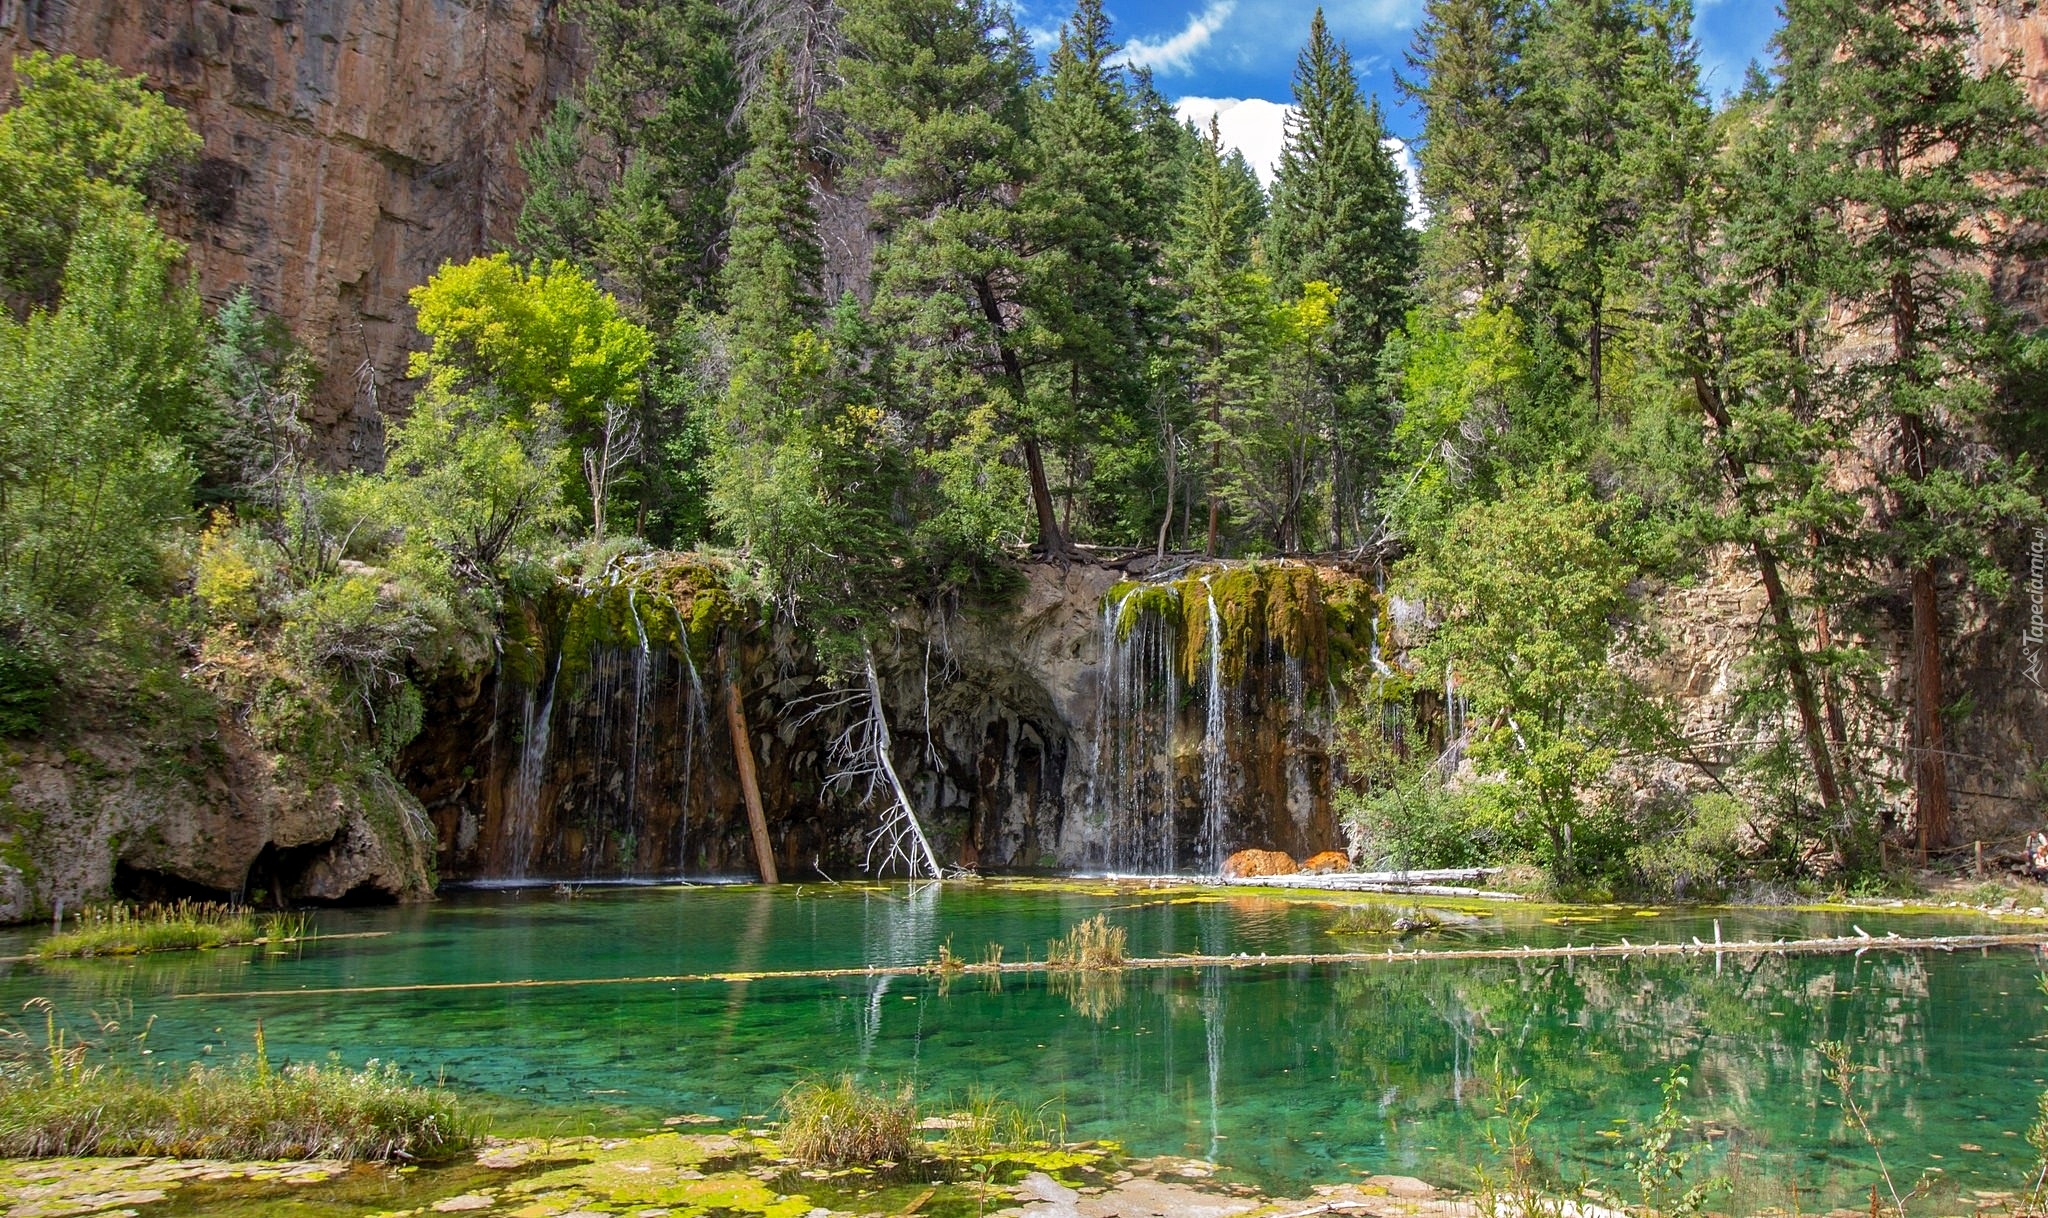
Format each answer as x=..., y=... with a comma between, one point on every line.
x=1842, y=1071
x=71, y=1097
x=1664, y=1151
x=1380, y=919
x=990, y=1124
x=1514, y=1184
x=843, y=1123
x=1093, y=944
x=130, y=930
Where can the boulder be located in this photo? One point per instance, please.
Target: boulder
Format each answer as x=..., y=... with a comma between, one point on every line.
x=1248, y=864
x=1327, y=862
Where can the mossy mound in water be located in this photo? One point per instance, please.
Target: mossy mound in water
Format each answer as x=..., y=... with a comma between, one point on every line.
x=1320, y=617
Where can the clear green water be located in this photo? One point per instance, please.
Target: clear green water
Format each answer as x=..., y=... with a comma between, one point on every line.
x=1289, y=1075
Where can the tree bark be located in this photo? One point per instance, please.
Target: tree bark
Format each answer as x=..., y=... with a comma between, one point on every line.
x=1930, y=755
x=750, y=785
x=1215, y=474
x=1051, y=541
x=1172, y=472
x=1784, y=625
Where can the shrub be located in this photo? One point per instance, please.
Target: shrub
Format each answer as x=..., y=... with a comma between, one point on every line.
x=1094, y=944
x=229, y=579
x=842, y=1124
x=26, y=680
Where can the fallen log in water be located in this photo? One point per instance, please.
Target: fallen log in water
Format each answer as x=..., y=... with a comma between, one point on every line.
x=1856, y=945
x=1432, y=882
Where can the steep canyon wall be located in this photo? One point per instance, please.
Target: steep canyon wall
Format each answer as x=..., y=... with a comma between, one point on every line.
x=351, y=146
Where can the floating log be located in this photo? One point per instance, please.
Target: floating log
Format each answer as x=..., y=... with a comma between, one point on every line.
x=1391, y=955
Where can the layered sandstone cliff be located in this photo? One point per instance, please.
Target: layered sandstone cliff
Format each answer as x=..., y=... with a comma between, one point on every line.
x=351, y=147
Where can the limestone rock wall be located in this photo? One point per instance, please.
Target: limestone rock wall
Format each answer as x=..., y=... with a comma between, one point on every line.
x=597, y=755
x=351, y=147
x=210, y=816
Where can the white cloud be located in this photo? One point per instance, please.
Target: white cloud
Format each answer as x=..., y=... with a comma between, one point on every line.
x=1404, y=160
x=1253, y=126
x=1176, y=52
x=1258, y=128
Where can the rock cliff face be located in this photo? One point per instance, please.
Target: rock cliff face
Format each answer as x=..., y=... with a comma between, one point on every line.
x=1075, y=729
x=351, y=147
x=211, y=816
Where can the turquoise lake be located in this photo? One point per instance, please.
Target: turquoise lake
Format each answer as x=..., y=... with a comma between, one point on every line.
x=1285, y=1075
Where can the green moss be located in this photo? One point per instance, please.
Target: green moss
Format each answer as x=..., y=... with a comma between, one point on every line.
x=1134, y=600
x=677, y=604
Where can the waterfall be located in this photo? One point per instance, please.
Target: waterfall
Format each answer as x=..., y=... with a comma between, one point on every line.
x=1215, y=747
x=1131, y=787
x=640, y=662
x=523, y=816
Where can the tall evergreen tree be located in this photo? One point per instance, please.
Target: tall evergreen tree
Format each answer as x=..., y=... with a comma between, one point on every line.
x=935, y=101
x=1611, y=83
x=1095, y=245
x=1225, y=305
x=630, y=179
x=1340, y=216
x=1926, y=163
x=1474, y=157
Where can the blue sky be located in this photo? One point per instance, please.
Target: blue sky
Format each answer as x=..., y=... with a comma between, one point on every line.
x=1243, y=50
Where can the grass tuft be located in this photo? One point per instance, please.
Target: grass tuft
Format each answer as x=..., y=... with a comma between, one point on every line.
x=1093, y=944
x=991, y=1124
x=56, y=1101
x=132, y=930
x=1390, y=920
x=843, y=1124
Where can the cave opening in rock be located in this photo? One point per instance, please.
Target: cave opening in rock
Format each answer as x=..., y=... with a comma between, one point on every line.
x=143, y=885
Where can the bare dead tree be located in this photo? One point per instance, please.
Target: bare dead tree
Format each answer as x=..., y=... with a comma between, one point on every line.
x=618, y=444
x=806, y=33
x=859, y=757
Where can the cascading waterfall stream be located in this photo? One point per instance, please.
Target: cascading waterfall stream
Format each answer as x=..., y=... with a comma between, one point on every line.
x=640, y=663
x=1215, y=748
x=1131, y=788
x=524, y=812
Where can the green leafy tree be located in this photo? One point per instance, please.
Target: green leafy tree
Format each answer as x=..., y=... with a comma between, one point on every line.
x=81, y=145
x=545, y=351
x=93, y=394
x=1524, y=592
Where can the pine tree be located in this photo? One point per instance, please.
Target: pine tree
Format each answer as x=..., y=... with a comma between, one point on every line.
x=1095, y=247
x=771, y=278
x=557, y=219
x=934, y=98
x=1340, y=216
x=1741, y=304
x=657, y=105
x=1924, y=164
x=1474, y=158
x=1612, y=83
x=1225, y=306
